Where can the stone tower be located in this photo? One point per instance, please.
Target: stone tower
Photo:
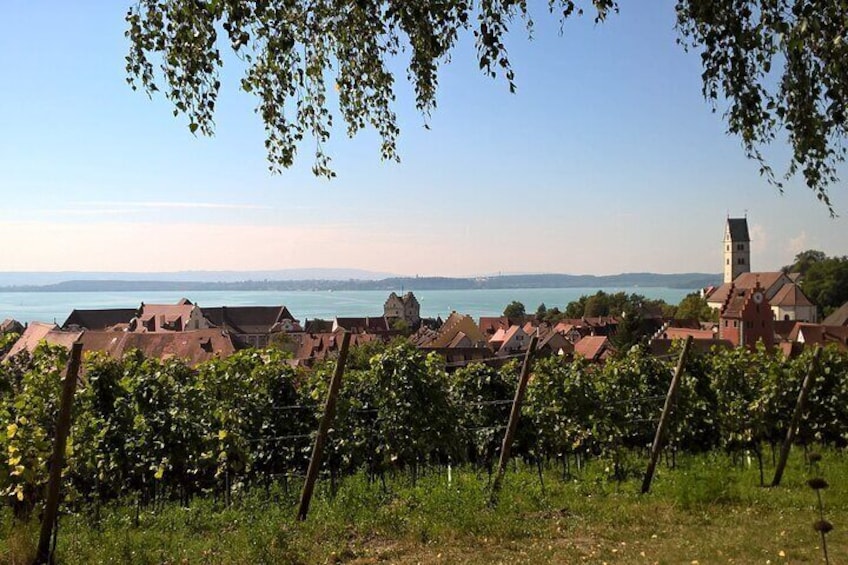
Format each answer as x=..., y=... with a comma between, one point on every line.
x=737, y=249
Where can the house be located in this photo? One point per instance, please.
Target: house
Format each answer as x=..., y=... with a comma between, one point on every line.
x=251, y=326
x=790, y=303
x=37, y=332
x=404, y=308
x=453, y=325
x=569, y=331
x=746, y=318
x=514, y=340
x=370, y=325
x=783, y=329
x=194, y=347
x=819, y=334
x=489, y=325
x=595, y=348
x=423, y=336
x=314, y=347
x=552, y=342
x=180, y=317
x=10, y=326
x=105, y=319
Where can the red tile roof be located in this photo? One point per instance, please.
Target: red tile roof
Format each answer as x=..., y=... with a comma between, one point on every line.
x=489, y=325
x=193, y=347
x=35, y=333
x=682, y=333
x=591, y=347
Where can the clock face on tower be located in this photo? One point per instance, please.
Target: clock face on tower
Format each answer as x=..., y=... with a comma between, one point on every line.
x=758, y=297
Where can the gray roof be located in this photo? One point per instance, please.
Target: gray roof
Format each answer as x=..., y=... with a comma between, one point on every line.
x=738, y=229
x=99, y=319
x=247, y=319
x=839, y=317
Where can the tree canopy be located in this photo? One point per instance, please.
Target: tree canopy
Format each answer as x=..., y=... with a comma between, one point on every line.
x=693, y=306
x=823, y=279
x=780, y=66
x=515, y=310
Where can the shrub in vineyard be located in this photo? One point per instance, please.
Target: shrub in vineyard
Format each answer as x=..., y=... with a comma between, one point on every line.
x=29, y=425
x=479, y=391
x=156, y=429
x=560, y=407
x=630, y=392
x=260, y=424
x=825, y=419
x=416, y=420
x=693, y=426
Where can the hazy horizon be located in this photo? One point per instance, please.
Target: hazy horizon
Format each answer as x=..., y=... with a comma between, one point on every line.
x=42, y=278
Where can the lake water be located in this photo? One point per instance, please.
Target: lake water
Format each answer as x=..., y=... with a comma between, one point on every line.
x=50, y=306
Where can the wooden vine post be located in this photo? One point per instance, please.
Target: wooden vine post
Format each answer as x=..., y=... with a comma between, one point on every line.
x=63, y=427
x=800, y=405
x=514, y=414
x=668, y=408
x=323, y=429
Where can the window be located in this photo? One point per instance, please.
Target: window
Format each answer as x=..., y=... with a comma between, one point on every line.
x=728, y=248
x=740, y=261
x=728, y=261
x=749, y=325
x=740, y=247
x=734, y=323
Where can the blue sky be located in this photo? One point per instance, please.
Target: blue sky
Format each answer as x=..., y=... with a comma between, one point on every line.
x=606, y=160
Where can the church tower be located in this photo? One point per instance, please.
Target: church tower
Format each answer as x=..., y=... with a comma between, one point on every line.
x=737, y=249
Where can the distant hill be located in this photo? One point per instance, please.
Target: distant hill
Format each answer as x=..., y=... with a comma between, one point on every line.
x=625, y=280
x=51, y=278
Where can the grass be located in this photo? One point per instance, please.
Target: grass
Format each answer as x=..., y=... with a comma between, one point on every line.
x=706, y=510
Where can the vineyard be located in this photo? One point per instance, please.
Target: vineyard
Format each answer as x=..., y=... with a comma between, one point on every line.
x=153, y=431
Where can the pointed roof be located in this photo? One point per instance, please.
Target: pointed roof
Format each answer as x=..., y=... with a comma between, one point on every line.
x=738, y=229
x=455, y=323
x=838, y=317
x=35, y=333
x=790, y=295
x=591, y=347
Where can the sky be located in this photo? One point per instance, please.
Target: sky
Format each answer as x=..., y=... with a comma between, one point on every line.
x=606, y=160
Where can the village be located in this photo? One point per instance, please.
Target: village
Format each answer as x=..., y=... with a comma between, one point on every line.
x=753, y=307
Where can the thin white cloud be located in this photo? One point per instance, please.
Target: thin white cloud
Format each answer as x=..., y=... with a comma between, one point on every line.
x=76, y=212
x=759, y=239
x=798, y=243
x=181, y=205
